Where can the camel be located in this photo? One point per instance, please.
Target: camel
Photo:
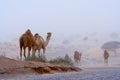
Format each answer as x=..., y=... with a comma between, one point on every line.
x=26, y=40
x=106, y=56
x=40, y=43
x=77, y=56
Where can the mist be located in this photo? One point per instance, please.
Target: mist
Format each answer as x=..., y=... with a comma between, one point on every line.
x=58, y=17
x=83, y=25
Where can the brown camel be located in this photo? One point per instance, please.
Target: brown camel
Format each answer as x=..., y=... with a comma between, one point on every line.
x=26, y=40
x=40, y=43
x=106, y=56
x=77, y=56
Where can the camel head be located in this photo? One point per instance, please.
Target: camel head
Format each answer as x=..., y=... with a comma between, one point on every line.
x=48, y=38
x=48, y=35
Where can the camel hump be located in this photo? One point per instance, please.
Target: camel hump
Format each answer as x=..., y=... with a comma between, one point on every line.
x=28, y=31
x=36, y=34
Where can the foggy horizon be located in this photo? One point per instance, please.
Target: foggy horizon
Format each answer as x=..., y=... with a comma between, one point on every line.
x=62, y=17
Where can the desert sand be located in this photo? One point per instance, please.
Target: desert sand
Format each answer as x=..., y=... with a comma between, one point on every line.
x=10, y=68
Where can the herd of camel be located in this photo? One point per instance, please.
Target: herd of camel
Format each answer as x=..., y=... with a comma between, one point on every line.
x=36, y=42
x=77, y=56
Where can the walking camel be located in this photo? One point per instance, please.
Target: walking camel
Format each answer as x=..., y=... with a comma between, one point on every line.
x=26, y=40
x=106, y=56
x=40, y=43
x=77, y=56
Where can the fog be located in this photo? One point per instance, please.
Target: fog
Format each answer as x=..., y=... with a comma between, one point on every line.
x=83, y=25
x=59, y=17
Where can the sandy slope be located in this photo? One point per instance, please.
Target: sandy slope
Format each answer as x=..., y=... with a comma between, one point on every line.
x=12, y=68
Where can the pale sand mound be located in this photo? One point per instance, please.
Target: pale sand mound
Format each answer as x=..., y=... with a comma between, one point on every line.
x=9, y=66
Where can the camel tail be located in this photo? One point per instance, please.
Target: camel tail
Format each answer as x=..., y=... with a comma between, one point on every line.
x=20, y=43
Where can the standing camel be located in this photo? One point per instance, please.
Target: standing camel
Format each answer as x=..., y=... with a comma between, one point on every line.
x=77, y=57
x=40, y=43
x=106, y=56
x=26, y=40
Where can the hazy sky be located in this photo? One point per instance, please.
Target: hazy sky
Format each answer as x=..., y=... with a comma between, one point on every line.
x=58, y=16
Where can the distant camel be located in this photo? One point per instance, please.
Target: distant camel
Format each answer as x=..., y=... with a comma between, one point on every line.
x=26, y=40
x=40, y=43
x=106, y=56
x=77, y=56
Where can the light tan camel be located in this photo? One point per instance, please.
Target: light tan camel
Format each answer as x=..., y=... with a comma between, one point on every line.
x=77, y=57
x=106, y=56
x=26, y=40
x=40, y=43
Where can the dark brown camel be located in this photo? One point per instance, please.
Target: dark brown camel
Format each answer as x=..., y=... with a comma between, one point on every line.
x=106, y=56
x=77, y=56
x=26, y=40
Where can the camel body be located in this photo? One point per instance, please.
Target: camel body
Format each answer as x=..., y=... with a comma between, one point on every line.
x=40, y=43
x=26, y=40
x=77, y=56
x=106, y=56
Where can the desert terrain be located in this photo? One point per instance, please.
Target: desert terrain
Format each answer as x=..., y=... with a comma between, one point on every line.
x=91, y=61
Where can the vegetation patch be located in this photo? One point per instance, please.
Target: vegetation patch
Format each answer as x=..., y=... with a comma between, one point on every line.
x=40, y=58
x=60, y=60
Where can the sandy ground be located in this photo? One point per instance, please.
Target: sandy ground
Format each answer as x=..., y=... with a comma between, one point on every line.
x=10, y=68
x=92, y=65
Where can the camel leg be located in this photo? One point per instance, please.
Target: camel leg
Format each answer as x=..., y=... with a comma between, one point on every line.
x=29, y=49
x=25, y=52
x=33, y=51
x=80, y=62
x=104, y=61
x=44, y=56
x=20, y=53
x=107, y=61
x=39, y=51
x=44, y=49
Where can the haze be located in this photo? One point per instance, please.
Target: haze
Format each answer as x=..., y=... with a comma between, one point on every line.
x=58, y=16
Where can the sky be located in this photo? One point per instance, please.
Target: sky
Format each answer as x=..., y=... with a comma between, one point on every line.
x=58, y=16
